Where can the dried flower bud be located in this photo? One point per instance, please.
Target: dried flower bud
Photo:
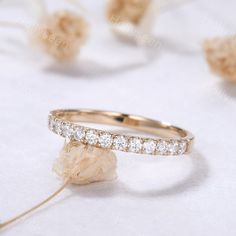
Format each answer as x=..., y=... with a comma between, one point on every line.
x=85, y=164
x=128, y=11
x=61, y=34
x=221, y=56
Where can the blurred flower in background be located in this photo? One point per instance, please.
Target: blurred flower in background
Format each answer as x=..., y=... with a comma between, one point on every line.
x=61, y=34
x=130, y=11
x=221, y=56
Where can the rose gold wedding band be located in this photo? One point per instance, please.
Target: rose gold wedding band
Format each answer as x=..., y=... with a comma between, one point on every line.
x=165, y=139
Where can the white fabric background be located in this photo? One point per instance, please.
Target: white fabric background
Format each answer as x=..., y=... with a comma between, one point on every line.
x=152, y=196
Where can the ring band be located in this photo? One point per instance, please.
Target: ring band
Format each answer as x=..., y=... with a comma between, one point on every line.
x=168, y=140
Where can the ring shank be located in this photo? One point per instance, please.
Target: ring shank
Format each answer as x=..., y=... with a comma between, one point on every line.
x=139, y=123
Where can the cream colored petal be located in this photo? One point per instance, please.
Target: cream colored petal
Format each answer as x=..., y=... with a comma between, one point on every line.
x=85, y=164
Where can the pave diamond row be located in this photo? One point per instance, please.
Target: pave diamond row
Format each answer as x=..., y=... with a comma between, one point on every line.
x=113, y=141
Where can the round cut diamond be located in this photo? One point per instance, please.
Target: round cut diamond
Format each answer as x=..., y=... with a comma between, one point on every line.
x=66, y=130
x=162, y=147
x=79, y=134
x=182, y=147
x=120, y=143
x=173, y=147
x=57, y=127
x=91, y=137
x=105, y=140
x=149, y=146
x=135, y=145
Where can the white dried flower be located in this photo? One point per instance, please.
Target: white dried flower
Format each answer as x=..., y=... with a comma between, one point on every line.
x=85, y=164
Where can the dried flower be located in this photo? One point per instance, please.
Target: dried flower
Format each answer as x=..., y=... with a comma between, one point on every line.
x=221, y=56
x=61, y=34
x=85, y=164
x=77, y=164
x=128, y=11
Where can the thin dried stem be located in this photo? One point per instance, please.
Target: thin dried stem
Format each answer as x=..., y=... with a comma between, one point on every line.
x=12, y=220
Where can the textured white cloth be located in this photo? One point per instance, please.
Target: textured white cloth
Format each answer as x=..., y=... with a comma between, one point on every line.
x=152, y=196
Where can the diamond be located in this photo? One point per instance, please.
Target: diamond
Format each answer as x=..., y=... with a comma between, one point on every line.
x=173, y=147
x=135, y=145
x=91, y=137
x=182, y=147
x=67, y=130
x=57, y=126
x=120, y=143
x=79, y=134
x=162, y=147
x=105, y=140
x=149, y=146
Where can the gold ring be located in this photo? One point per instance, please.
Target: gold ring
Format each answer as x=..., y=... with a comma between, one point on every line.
x=164, y=138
